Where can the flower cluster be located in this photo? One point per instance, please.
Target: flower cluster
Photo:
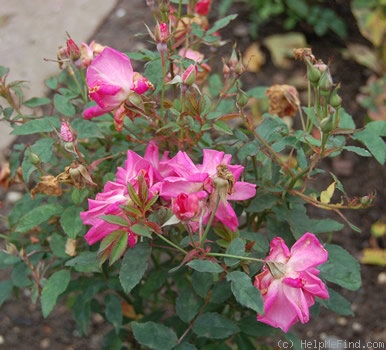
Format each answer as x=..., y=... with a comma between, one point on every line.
x=193, y=191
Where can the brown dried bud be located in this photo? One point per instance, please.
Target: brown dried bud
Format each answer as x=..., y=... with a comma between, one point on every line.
x=304, y=54
x=224, y=173
x=283, y=100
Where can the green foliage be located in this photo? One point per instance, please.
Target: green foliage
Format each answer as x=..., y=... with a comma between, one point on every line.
x=52, y=289
x=321, y=18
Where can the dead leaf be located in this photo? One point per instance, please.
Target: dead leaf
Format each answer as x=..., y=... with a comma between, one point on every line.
x=326, y=195
x=281, y=47
x=363, y=55
x=373, y=256
x=253, y=58
x=48, y=185
x=70, y=248
x=371, y=23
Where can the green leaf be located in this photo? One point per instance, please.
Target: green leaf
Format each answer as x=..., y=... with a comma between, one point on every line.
x=111, y=342
x=114, y=311
x=71, y=222
x=58, y=245
x=36, y=102
x=337, y=303
x=324, y=225
x=141, y=230
x=358, y=150
x=86, y=128
x=205, y=266
x=249, y=325
x=221, y=126
x=134, y=265
x=5, y=290
x=236, y=247
x=52, y=83
x=221, y=23
x=37, y=216
x=185, y=346
x=155, y=280
x=245, y=292
x=215, y=326
x=249, y=149
x=21, y=275
x=118, y=247
x=262, y=201
x=154, y=335
x=82, y=315
x=54, y=286
x=346, y=121
x=115, y=219
x=43, y=148
x=84, y=262
x=371, y=137
x=220, y=292
x=7, y=259
x=202, y=282
x=188, y=305
x=341, y=268
x=64, y=106
x=272, y=128
x=45, y=124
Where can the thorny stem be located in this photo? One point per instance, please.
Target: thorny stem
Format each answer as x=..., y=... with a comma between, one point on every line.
x=172, y=244
x=236, y=257
x=207, y=299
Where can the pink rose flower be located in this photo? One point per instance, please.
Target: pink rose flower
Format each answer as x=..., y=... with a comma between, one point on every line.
x=110, y=79
x=115, y=195
x=191, y=178
x=289, y=281
x=188, y=206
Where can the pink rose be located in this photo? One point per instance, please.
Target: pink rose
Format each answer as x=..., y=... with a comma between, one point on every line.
x=289, y=282
x=191, y=178
x=110, y=79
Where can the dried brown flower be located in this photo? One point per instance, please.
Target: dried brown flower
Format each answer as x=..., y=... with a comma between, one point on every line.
x=283, y=100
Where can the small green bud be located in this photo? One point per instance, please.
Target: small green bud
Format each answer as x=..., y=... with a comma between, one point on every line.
x=326, y=124
x=34, y=158
x=241, y=98
x=325, y=83
x=313, y=73
x=335, y=99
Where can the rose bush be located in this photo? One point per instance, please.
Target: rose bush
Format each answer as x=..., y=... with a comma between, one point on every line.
x=161, y=201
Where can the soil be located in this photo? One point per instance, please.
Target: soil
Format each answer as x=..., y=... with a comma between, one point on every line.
x=23, y=327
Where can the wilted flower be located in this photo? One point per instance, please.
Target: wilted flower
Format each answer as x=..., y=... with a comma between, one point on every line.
x=289, y=282
x=48, y=185
x=283, y=100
